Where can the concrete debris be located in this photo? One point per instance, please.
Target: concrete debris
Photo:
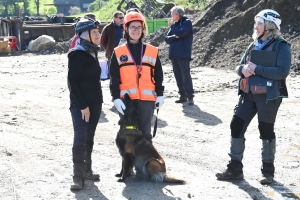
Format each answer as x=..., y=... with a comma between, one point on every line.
x=41, y=43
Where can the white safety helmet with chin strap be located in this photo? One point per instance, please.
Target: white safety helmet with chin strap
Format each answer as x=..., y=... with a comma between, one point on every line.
x=270, y=15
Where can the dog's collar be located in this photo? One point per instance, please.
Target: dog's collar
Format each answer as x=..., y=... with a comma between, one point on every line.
x=131, y=128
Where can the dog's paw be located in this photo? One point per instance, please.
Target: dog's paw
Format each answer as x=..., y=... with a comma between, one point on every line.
x=118, y=175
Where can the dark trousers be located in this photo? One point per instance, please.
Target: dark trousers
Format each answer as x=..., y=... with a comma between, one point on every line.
x=181, y=69
x=250, y=105
x=146, y=109
x=83, y=136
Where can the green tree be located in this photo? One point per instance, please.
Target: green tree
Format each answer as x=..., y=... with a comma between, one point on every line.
x=199, y=3
x=37, y=3
x=52, y=10
x=96, y=5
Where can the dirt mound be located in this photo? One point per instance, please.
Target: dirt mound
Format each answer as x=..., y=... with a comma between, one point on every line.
x=223, y=30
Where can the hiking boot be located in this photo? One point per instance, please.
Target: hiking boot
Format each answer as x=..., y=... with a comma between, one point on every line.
x=181, y=99
x=191, y=101
x=227, y=175
x=91, y=176
x=234, y=171
x=77, y=183
x=266, y=179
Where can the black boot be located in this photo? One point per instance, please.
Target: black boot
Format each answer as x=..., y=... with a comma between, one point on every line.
x=268, y=156
x=234, y=171
x=191, y=101
x=77, y=183
x=88, y=161
x=89, y=172
x=267, y=171
x=78, y=177
x=181, y=99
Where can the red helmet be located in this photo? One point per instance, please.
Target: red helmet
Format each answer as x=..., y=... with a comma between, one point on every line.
x=133, y=16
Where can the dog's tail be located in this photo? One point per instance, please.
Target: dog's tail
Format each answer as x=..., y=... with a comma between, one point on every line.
x=157, y=172
x=166, y=178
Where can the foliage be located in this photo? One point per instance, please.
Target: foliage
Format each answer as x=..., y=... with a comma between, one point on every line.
x=96, y=5
x=51, y=10
x=105, y=13
x=27, y=7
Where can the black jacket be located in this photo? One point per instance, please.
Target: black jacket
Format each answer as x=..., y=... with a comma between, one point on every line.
x=136, y=53
x=84, y=79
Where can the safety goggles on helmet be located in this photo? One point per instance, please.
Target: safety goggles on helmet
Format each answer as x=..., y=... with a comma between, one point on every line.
x=270, y=15
x=86, y=25
x=133, y=16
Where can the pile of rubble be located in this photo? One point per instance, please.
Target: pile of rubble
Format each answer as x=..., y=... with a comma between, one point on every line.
x=223, y=31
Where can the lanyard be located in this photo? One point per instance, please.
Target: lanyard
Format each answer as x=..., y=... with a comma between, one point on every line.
x=139, y=67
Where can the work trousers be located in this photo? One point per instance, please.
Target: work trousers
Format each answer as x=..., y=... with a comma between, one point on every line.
x=248, y=106
x=146, y=110
x=83, y=134
x=182, y=73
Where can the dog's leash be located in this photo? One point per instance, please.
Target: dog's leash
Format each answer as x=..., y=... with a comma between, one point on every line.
x=155, y=124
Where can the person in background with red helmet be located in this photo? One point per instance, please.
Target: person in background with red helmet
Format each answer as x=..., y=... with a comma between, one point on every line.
x=261, y=89
x=136, y=70
x=85, y=98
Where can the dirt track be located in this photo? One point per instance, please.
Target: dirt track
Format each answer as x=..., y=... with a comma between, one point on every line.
x=36, y=138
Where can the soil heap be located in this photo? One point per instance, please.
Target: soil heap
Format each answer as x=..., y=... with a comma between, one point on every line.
x=222, y=31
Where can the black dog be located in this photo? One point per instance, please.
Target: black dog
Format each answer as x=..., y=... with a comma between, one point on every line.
x=137, y=151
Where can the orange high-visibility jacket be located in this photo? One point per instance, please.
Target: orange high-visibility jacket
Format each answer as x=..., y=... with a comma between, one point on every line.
x=138, y=85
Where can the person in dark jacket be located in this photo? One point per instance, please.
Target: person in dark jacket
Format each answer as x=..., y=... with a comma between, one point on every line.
x=180, y=38
x=112, y=34
x=85, y=99
x=136, y=70
x=261, y=89
x=76, y=37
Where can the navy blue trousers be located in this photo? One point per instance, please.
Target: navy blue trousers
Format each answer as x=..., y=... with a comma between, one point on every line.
x=84, y=133
x=182, y=72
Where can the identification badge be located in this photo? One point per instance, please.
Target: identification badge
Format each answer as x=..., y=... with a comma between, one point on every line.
x=269, y=83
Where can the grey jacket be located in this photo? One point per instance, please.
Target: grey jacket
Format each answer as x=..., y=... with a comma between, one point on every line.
x=277, y=73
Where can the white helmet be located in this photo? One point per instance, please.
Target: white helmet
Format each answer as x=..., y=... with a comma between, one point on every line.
x=270, y=15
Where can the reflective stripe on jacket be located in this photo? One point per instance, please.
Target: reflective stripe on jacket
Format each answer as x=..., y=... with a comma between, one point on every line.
x=139, y=85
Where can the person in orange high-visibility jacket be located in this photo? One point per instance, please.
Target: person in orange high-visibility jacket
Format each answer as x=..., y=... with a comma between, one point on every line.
x=136, y=70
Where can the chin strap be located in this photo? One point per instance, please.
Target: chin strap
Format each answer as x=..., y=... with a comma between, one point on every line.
x=262, y=35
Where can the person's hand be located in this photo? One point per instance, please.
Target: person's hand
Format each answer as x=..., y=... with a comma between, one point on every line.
x=120, y=106
x=85, y=113
x=176, y=36
x=159, y=102
x=247, y=71
x=252, y=66
x=170, y=22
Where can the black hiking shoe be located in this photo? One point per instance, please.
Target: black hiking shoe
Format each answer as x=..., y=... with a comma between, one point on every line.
x=266, y=179
x=227, y=175
x=234, y=171
x=191, y=101
x=77, y=183
x=181, y=99
x=91, y=176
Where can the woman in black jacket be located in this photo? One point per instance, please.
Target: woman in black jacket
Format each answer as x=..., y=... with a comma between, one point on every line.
x=85, y=98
